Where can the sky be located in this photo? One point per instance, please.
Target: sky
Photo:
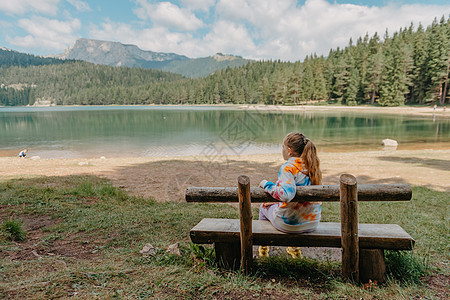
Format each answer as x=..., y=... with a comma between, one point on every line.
x=256, y=29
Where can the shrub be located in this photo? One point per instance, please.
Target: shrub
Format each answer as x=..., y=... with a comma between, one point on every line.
x=405, y=266
x=13, y=230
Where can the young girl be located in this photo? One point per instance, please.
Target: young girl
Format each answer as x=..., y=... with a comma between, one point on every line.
x=301, y=168
x=23, y=153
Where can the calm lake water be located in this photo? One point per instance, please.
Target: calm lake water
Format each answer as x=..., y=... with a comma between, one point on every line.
x=65, y=132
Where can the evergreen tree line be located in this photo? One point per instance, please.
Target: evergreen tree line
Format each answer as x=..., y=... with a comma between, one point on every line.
x=13, y=96
x=409, y=67
x=13, y=58
x=79, y=83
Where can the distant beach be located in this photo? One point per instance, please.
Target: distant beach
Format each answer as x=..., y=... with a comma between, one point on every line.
x=165, y=179
x=400, y=110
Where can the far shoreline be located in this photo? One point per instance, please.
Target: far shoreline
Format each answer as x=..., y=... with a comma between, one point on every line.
x=425, y=111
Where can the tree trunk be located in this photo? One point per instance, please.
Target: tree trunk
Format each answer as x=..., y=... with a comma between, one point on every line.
x=444, y=93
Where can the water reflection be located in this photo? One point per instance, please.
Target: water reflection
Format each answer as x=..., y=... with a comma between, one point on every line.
x=135, y=131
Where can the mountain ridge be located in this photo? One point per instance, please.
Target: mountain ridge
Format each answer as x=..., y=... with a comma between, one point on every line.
x=119, y=54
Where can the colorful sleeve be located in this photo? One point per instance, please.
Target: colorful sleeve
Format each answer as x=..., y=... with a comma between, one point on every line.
x=284, y=189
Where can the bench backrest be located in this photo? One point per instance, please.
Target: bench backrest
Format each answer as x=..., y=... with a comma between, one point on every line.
x=314, y=193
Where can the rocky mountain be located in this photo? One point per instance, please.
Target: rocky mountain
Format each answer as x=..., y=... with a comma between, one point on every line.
x=118, y=54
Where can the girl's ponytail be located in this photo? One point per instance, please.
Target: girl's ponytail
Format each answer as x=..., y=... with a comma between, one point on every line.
x=312, y=163
x=304, y=148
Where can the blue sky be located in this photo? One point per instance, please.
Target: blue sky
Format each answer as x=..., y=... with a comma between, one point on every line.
x=257, y=29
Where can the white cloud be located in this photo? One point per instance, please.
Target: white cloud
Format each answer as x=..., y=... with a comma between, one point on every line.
x=229, y=37
x=281, y=29
x=168, y=15
x=264, y=29
x=80, y=5
x=20, y=7
x=225, y=37
x=46, y=33
x=157, y=39
x=260, y=29
x=202, y=5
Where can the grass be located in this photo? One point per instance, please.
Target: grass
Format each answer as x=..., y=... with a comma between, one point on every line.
x=12, y=230
x=83, y=238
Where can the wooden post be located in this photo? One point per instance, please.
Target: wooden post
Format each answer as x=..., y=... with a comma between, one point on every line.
x=228, y=255
x=372, y=265
x=349, y=227
x=245, y=213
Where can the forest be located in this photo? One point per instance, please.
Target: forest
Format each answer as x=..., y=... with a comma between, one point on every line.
x=410, y=67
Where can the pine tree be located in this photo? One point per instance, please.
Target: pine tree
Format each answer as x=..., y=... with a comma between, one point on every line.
x=438, y=60
x=419, y=70
x=347, y=79
x=320, y=88
x=295, y=93
x=396, y=70
x=308, y=80
x=374, y=69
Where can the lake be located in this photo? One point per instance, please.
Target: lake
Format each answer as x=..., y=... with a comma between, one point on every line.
x=95, y=131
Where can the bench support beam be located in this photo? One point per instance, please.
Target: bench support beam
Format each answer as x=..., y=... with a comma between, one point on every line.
x=372, y=265
x=228, y=255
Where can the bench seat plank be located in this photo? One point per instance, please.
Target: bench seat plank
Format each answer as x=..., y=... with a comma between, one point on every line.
x=328, y=234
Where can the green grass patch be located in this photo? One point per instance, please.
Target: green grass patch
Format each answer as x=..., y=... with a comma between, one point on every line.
x=85, y=236
x=13, y=230
x=406, y=266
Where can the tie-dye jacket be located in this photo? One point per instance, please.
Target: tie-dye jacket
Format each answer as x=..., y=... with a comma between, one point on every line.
x=293, y=216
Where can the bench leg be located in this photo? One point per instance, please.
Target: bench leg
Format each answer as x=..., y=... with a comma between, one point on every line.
x=372, y=265
x=228, y=255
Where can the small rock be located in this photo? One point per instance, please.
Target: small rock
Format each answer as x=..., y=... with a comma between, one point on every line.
x=390, y=143
x=174, y=249
x=35, y=157
x=36, y=254
x=102, y=157
x=82, y=163
x=148, y=250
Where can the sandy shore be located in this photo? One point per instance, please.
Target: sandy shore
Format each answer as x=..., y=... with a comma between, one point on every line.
x=422, y=111
x=398, y=110
x=166, y=178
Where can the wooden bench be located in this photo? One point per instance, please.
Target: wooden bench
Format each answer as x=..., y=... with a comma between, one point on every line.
x=363, y=245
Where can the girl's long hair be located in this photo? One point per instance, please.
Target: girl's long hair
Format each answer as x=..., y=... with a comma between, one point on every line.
x=306, y=149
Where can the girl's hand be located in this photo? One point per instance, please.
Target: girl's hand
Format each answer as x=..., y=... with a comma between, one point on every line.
x=266, y=205
x=262, y=183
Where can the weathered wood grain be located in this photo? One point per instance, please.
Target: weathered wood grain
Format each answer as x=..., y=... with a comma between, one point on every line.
x=328, y=234
x=228, y=255
x=322, y=193
x=245, y=213
x=349, y=227
x=372, y=265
